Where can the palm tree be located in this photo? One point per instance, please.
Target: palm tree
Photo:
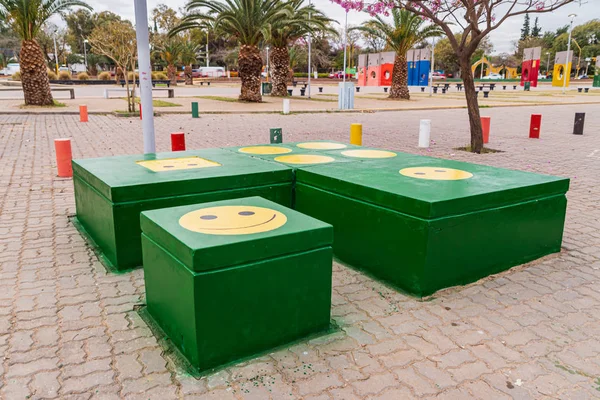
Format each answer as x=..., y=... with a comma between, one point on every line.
x=170, y=52
x=188, y=57
x=303, y=20
x=27, y=18
x=406, y=31
x=249, y=21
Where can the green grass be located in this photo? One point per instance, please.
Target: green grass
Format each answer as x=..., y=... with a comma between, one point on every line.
x=219, y=98
x=156, y=102
x=311, y=99
x=56, y=104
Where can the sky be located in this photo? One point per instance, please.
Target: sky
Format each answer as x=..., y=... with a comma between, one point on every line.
x=503, y=38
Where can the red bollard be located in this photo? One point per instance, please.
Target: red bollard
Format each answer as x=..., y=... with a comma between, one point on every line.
x=485, y=128
x=178, y=141
x=83, y=113
x=140, y=110
x=535, y=126
x=63, y=157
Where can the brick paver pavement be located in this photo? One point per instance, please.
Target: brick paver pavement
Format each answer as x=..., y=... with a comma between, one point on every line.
x=70, y=330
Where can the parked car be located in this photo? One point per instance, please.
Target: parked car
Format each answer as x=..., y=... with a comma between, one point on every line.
x=11, y=68
x=492, y=76
x=211, y=72
x=438, y=75
x=339, y=75
x=584, y=76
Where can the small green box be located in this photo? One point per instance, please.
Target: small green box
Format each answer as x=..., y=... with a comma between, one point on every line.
x=230, y=279
x=111, y=192
x=424, y=224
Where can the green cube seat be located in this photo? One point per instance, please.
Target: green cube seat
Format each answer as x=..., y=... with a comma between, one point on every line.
x=424, y=224
x=111, y=192
x=231, y=279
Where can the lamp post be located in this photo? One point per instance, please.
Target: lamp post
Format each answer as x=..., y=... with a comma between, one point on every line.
x=309, y=50
x=267, y=71
x=85, y=42
x=55, y=52
x=344, y=70
x=565, y=77
x=548, y=64
x=432, y=68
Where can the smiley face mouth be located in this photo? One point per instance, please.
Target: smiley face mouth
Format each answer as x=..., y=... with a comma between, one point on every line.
x=241, y=227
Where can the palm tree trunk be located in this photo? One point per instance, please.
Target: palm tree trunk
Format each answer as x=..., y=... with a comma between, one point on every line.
x=189, y=78
x=172, y=74
x=472, y=106
x=280, y=70
x=34, y=75
x=250, y=66
x=399, y=89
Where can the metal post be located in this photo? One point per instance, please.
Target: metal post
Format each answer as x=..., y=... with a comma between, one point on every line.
x=572, y=16
x=344, y=71
x=267, y=71
x=482, y=64
x=55, y=53
x=207, y=55
x=432, y=69
x=309, y=50
x=548, y=64
x=143, y=47
x=85, y=54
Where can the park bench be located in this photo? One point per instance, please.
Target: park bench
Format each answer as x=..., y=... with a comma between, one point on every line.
x=170, y=92
x=459, y=86
x=53, y=89
x=154, y=83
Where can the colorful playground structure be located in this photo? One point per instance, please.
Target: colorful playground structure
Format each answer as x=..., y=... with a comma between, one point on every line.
x=562, y=69
x=375, y=69
x=510, y=73
x=530, y=69
x=597, y=73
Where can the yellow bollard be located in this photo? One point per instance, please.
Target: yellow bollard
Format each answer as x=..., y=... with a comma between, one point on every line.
x=356, y=134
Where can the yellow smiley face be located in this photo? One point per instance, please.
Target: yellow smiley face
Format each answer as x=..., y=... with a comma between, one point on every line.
x=369, y=153
x=436, y=173
x=232, y=220
x=265, y=150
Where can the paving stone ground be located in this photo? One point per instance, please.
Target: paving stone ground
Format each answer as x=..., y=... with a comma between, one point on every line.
x=69, y=330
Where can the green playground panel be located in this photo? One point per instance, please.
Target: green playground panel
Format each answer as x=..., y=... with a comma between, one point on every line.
x=424, y=235
x=111, y=192
x=222, y=298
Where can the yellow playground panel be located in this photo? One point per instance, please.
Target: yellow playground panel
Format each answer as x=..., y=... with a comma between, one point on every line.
x=562, y=70
x=511, y=73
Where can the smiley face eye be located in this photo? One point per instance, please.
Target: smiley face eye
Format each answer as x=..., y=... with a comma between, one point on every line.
x=246, y=213
x=440, y=170
x=208, y=217
x=419, y=173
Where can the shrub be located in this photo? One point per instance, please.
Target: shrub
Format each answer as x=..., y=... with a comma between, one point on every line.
x=83, y=76
x=51, y=75
x=130, y=76
x=64, y=75
x=104, y=76
x=161, y=76
x=16, y=76
x=233, y=74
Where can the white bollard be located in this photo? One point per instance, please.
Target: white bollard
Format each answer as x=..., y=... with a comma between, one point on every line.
x=286, y=106
x=424, y=133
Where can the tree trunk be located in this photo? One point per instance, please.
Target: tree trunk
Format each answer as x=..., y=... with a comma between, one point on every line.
x=279, y=70
x=399, y=89
x=250, y=66
x=472, y=106
x=172, y=74
x=34, y=75
x=189, y=78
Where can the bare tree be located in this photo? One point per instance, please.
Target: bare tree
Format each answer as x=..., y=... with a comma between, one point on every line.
x=475, y=20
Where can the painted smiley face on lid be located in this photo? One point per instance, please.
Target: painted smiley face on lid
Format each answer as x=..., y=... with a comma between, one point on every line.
x=232, y=220
x=304, y=159
x=436, y=173
x=321, y=145
x=265, y=150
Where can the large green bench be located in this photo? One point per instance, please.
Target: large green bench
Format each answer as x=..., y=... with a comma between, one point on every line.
x=111, y=192
x=227, y=280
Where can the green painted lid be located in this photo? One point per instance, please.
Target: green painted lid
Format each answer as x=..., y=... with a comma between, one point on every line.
x=420, y=191
x=140, y=177
x=228, y=233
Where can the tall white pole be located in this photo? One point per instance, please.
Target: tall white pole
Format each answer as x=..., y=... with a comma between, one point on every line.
x=267, y=71
x=482, y=64
x=55, y=53
x=432, y=69
x=309, y=51
x=344, y=70
x=85, y=54
x=143, y=47
x=567, y=69
x=207, y=55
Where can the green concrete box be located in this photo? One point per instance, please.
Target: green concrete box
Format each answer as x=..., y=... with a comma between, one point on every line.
x=424, y=224
x=111, y=192
x=231, y=279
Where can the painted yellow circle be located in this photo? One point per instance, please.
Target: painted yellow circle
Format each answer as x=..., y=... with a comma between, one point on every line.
x=322, y=145
x=232, y=220
x=369, y=153
x=304, y=159
x=436, y=173
x=265, y=150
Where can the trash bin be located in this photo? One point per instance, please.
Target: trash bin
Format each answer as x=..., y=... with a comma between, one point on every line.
x=267, y=88
x=346, y=96
x=527, y=86
x=597, y=80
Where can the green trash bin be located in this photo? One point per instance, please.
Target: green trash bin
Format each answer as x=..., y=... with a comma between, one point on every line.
x=527, y=86
x=597, y=80
x=267, y=87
